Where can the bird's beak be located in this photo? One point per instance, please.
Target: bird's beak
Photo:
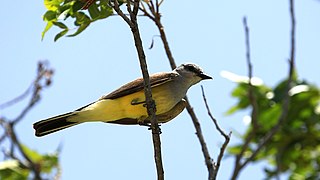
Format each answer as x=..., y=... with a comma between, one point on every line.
x=204, y=76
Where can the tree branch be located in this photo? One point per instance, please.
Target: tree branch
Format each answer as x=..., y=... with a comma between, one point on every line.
x=205, y=151
x=151, y=108
x=252, y=97
x=116, y=7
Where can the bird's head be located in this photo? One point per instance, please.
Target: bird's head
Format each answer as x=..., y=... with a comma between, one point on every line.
x=192, y=72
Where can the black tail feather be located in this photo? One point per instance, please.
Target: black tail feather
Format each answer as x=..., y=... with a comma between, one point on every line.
x=53, y=124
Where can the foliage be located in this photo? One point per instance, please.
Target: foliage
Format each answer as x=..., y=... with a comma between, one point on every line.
x=15, y=169
x=60, y=10
x=296, y=147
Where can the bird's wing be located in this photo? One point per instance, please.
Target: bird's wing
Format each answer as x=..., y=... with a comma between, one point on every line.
x=137, y=85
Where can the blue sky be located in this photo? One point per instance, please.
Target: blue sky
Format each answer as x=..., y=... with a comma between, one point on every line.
x=103, y=57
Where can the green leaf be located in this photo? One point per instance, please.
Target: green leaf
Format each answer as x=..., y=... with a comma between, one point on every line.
x=32, y=154
x=268, y=117
x=94, y=11
x=100, y=12
x=232, y=110
x=83, y=21
x=76, y=7
x=59, y=35
x=60, y=10
x=50, y=16
x=106, y=11
x=49, y=162
x=52, y=4
x=235, y=149
x=60, y=25
x=81, y=18
x=10, y=169
x=64, y=15
x=80, y=29
x=48, y=26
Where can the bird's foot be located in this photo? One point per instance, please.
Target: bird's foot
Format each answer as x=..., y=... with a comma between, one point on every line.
x=157, y=130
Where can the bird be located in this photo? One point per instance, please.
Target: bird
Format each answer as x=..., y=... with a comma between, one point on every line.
x=127, y=106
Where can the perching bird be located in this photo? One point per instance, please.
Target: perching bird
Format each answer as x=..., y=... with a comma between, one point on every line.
x=126, y=105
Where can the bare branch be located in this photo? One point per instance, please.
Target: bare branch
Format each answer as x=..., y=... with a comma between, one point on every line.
x=145, y=12
x=252, y=98
x=135, y=8
x=293, y=41
x=151, y=108
x=157, y=6
x=253, y=103
x=226, y=137
x=156, y=18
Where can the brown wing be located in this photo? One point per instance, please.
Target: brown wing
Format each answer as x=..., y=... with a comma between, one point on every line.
x=137, y=85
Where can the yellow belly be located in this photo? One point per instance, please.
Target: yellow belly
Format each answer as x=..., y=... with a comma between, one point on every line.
x=130, y=106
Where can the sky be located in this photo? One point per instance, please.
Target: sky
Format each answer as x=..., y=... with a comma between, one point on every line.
x=103, y=57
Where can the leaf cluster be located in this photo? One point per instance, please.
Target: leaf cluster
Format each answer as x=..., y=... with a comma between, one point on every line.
x=58, y=11
x=296, y=147
x=16, y=169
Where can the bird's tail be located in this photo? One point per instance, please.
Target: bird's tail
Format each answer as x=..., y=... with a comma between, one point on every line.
x=53, y=124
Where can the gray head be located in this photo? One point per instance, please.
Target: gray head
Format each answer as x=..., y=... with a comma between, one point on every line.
x=192, y=72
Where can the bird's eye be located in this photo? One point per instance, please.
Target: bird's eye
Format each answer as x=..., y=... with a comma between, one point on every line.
x=190, y=67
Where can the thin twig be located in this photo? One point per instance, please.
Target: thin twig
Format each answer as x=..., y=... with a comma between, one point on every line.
x=226, y=137
x=156, y=18
x=160, y=3
x=17, y=99
x=157, y=6
x=252, y=97
x=293, y=41
x=211, y=116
